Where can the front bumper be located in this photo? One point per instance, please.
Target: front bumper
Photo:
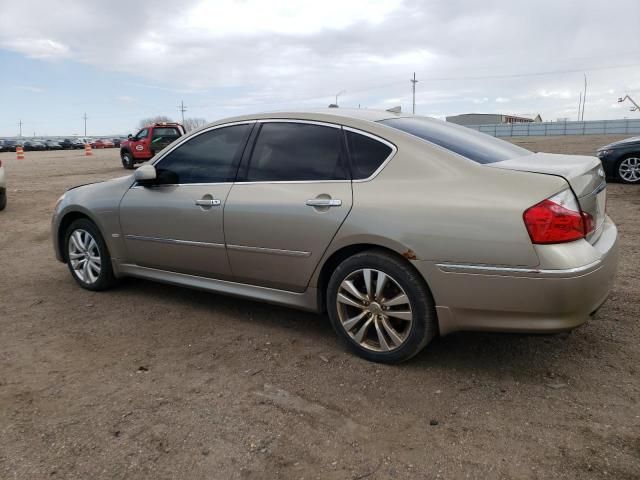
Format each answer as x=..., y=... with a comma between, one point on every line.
x=542, y=299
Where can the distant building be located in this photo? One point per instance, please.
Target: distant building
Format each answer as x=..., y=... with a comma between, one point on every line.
x=490, y=119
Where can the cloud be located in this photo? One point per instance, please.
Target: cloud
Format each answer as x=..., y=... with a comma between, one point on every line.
x=254, y=55
x=29, y=88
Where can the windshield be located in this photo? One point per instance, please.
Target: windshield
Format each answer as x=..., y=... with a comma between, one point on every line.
x=476, y=146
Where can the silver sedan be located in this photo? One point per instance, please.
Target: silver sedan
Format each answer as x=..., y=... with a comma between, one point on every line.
x=400, y=227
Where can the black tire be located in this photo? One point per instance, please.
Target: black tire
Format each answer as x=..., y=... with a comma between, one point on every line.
x=619, y=176
x=127, y=159
x=3, y=199
x=105, y=279
x=424, y=325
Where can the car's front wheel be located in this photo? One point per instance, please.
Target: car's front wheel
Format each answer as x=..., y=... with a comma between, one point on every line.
x=87, y=256
x=381, y=307
x=127, y=160
x=629, y=169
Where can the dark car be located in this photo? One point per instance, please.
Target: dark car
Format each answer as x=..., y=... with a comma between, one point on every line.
x=11, y=145
x=116, y=142
x=32, y=145
x=2, y=146
x=71, y=143
x=53, y=145
x=621, y=160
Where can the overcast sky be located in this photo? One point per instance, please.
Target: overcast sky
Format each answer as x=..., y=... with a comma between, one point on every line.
x=120, y=61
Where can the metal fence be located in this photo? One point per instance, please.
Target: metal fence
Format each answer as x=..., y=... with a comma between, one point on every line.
x=595, y=127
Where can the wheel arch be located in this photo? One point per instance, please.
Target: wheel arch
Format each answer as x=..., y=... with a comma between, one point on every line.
x=332, y=260
x=67, y=219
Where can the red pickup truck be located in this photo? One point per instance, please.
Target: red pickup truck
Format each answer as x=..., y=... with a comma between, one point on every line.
x=148, y=141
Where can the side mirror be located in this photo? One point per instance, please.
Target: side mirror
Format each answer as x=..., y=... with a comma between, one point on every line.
x=145, y=175
x=129, y=136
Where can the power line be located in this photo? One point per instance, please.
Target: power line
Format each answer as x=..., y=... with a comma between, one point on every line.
x=182, y=109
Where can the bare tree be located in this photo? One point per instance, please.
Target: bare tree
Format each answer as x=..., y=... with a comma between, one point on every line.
x=148, y=121
x=193, y=123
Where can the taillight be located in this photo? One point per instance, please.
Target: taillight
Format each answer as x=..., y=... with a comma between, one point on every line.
x=557, y=219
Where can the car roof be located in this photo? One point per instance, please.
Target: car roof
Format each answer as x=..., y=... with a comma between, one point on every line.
x=328, y=114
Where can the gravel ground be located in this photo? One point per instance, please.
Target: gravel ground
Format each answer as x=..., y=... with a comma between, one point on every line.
x=154, y=381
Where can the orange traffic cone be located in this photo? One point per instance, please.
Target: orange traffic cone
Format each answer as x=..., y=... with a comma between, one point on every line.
x=87, y=150
x=20, y=153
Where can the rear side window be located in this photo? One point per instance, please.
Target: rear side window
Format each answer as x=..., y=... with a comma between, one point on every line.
x=211, y=157
x=297, y=152
x=366, y=153
x=166, y=133
x=476, y=146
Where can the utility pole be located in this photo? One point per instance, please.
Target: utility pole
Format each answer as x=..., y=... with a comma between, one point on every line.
x=579, y=105
x=338, y=94
x=584, y=97
x=413, y=88
x=84, y=117
x=20, y=125
x=182, y=109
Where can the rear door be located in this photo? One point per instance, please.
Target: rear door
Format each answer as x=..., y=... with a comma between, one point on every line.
x=177, y=224
x=292, y=195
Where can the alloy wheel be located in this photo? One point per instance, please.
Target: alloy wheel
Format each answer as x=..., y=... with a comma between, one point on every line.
x=84, y=256
x=629, y=169
x=374, y=310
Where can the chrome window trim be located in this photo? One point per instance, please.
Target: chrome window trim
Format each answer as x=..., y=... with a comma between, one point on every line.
x=186, y=138
x=394, y=150
x=213, y=184
x=271, y=251
x=173, y=241
x=295, y=120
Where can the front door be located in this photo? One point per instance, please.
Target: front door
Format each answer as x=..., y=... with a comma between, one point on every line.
x=177, y=224
x=291, y=197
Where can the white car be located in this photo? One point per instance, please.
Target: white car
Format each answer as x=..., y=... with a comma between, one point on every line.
x=3, y=188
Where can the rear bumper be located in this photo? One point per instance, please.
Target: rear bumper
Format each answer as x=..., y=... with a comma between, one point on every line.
x=521, y=299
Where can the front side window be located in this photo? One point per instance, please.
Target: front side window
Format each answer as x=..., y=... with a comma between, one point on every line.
x=297, y=152
x=476, y=146
x=142, y=134
x=366, y=153
x=210, y=157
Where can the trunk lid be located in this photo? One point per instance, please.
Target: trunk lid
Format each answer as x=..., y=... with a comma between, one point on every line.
x=584, y=174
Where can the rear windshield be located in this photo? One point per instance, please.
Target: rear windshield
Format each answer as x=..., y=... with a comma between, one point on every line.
x=476, y=146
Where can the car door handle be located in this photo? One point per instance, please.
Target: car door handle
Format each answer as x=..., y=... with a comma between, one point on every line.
x=208, y=202
x=324, y=202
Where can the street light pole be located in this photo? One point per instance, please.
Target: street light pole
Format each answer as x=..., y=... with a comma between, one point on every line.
x=84, y=117
x=635, y=107
x=338, y=94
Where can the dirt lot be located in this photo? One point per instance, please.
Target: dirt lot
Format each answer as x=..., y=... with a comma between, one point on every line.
x=154, y=381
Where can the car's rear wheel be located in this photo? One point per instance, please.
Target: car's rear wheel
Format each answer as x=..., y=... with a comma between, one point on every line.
x=629, y=169
x=127, y=160
x=87, y=256
x=381, y=307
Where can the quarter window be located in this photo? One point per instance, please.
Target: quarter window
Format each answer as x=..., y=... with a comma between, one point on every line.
x=211, y=157
x=366, y=153
x=297, y=152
